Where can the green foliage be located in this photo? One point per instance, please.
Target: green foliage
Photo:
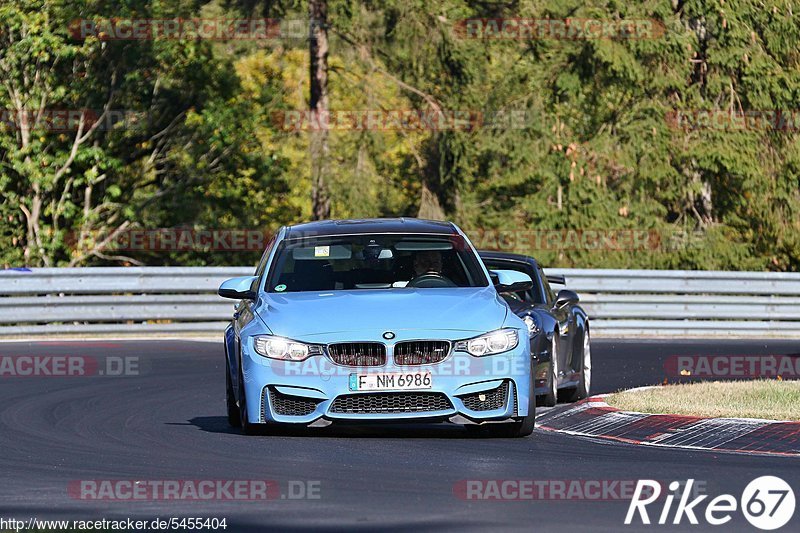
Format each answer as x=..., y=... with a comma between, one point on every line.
x=589, y=145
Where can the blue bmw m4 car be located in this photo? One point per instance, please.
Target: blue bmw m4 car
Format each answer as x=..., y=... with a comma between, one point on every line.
x=377, y=320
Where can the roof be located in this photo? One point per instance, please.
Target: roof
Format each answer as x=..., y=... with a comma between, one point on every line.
x=370, y=226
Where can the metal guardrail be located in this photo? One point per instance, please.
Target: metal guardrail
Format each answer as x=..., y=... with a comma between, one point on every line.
x=621, y=303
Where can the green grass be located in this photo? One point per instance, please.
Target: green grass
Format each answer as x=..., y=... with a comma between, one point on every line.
x=767, y=399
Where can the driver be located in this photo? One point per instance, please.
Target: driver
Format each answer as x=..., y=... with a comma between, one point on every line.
x=428, y=262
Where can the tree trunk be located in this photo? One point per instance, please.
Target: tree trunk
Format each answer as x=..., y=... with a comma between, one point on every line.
x=429, y=206
x=319, y=151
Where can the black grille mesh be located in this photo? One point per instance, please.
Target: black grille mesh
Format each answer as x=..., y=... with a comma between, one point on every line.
x=284, y=404
x=400, y=402
x=358, y=353
x=493, y=399
x=514, y=396
x=420, y=352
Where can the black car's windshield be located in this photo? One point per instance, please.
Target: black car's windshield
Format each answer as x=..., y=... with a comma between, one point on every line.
x=374, y=262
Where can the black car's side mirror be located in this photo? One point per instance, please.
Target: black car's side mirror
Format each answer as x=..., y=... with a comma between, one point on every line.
x=564, y=298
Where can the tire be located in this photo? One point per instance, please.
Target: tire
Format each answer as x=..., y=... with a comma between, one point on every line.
x=248, y=428
x=585, y=384
x=234, y=420
x=513, y=430
x=551, y=398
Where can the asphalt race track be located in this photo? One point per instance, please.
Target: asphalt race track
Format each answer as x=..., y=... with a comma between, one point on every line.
x=168, y=423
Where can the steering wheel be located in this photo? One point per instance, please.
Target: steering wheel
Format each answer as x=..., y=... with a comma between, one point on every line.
x=430, y=280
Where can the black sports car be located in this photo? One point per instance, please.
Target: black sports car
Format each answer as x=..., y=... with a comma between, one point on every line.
x=559, y=330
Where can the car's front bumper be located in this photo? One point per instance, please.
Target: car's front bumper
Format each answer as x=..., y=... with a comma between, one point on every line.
x=464, y=389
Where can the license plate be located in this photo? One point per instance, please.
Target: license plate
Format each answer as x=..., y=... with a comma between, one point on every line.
x=391, y=381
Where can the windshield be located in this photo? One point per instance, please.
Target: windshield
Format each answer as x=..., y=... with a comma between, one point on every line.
x=374, y=262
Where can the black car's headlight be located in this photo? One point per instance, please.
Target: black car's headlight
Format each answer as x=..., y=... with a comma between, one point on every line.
x=285, y=349
x=492, y=343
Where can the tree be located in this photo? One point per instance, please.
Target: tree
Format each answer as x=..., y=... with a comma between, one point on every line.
x=319, y=106
x=576, y=133
x=101, y=136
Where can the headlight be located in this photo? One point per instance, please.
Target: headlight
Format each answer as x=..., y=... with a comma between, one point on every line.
x=533, y=325
x=492, y=343
x=280, y=348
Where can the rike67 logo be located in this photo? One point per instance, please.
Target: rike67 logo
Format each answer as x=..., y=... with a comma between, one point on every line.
x=767, y=503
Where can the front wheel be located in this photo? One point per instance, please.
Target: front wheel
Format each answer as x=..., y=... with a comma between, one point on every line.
x=520, y=428
x=550, y=399
x=230, y=400
x=585, y=382
x=247, y=427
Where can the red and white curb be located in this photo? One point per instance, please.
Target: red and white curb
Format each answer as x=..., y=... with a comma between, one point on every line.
x=593, y=417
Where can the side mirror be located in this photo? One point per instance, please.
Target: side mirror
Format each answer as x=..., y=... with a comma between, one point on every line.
x=510, y=281
x=565, y=297
x=238, y=288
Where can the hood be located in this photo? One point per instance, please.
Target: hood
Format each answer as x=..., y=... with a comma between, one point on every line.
x=301, y=314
